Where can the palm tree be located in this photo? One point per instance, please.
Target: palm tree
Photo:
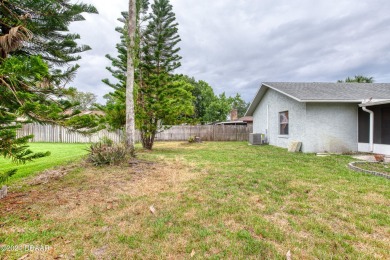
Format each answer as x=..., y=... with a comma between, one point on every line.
x=358, y=79
x=130, y=118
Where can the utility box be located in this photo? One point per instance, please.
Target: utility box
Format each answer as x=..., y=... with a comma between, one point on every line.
x=256, y=139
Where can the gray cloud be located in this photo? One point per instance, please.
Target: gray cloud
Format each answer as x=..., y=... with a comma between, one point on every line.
x=234, y=45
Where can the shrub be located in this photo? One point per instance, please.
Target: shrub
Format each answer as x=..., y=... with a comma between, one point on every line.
x=194, y=139
x=191, y=139
x=106, y=152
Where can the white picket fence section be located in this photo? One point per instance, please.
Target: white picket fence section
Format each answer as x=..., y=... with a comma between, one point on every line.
x=58, y=134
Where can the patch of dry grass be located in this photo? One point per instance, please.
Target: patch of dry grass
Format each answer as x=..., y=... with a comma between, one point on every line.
x=93, y=207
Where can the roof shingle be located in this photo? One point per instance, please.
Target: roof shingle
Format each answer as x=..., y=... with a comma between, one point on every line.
x=324, y=92
x=332, y=91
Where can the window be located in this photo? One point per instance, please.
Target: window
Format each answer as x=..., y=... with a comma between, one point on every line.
x=283, y=123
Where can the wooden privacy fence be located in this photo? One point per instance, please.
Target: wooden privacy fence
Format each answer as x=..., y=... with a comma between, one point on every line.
x=58, y=134
x=206, y=133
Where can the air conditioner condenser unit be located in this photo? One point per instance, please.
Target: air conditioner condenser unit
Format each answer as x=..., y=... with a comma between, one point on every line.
x=257, y=139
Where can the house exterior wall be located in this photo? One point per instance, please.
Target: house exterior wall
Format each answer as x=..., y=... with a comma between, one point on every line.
x=321, y=127
x=331, y=127
x=276, y=103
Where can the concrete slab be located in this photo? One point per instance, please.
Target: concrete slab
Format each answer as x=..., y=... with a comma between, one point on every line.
x=365, y=157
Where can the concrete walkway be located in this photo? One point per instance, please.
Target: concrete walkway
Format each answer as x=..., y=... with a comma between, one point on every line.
x=370, y=158
x=365, y=157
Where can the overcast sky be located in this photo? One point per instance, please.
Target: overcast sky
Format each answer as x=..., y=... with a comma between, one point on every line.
x=234, y=45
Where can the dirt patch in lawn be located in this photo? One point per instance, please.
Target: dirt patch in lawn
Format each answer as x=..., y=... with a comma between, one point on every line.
x=52, y=174
x=138, y=178
x=94, y=202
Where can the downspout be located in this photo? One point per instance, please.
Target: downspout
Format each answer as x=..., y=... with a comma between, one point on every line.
x=267, y=130
x=371, y=128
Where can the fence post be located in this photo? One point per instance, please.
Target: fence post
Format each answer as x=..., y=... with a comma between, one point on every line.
x=60, y=134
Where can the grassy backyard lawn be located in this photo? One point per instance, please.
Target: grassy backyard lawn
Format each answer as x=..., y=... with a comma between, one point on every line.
x=210, y=200
x=60, y=154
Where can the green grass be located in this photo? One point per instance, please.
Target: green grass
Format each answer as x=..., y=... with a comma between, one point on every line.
x=235, y=202
x=266, y=201
x=375, y=166
x=60, y=154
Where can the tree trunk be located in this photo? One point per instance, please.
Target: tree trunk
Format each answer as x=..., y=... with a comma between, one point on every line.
x=130, y=117
x=148, y=140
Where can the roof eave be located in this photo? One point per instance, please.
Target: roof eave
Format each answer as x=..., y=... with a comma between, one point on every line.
x=259, y=95
x=367, y=104
x=284, y=93
x=331, y=101
x=255, y=101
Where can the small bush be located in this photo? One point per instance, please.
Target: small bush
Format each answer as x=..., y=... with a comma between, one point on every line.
x=106, y=152
x=192, y=139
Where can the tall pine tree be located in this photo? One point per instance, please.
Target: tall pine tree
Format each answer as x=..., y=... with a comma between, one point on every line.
x=161, y=97
x=48, y=21
x=34, y=38
x=22, y=95
x=44, y=25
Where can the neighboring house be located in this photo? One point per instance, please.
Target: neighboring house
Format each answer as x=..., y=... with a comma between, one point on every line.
x=246, y=120
x=325, y=117
x=234, y=120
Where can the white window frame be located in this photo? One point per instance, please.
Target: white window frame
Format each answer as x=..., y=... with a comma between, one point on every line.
x=284, y=119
